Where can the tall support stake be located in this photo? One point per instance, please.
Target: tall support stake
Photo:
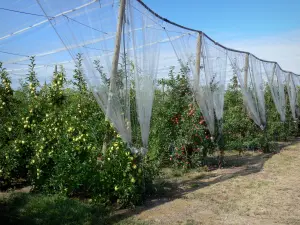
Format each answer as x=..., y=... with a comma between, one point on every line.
x=273, y=74
x=163, y=89
x=290, y=85
x=198, y=61
x=246, y=70
x=55, y=69
x=115, y=60
x=114, y=70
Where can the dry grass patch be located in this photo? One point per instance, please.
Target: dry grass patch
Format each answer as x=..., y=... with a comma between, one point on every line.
x=264, y=191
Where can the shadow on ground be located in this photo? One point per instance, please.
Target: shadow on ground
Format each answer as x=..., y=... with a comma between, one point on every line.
x=235, y=166
x=25, y=208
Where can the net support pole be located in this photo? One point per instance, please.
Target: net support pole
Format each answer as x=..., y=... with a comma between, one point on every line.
x=115, y=61
x=273, y=74
x=289, y=86
x=114, y=70
x=246, y=70
x=198, y=61
x=163, y=89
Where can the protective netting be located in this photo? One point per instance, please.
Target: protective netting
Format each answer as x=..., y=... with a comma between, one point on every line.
x=126, y=47
x=207, y=64
x=276, y=82
x=213, y=86
x=105, y=69
x=249, y=71
x=292, y=89
x=145, y=54
x=121, y=52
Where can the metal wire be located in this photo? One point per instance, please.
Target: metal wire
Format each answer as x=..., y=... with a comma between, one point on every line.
x=11, y=53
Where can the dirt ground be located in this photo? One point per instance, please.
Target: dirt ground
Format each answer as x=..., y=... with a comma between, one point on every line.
x=264, y=189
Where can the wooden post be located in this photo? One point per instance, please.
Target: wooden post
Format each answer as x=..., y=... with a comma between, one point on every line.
x=293, y=80
x=246, y=70
x=163, y=89
x=115, y=61
x=198, y=62
x=114, y=70
x=289, y=79
x=273, y=73
x=292, y=83
x=55, y=69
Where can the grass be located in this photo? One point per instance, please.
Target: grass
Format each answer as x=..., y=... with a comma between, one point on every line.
x=26, y=208
x=264, y=190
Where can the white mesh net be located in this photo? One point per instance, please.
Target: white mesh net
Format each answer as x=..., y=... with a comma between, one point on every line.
x=123, y=60
x=207, y=63
x=111, y=71
x=276, y=82
x=294, y=86
x=146, y=49
x=292, y=89
x=249, y=72
x=213, y=86
x=92, y=31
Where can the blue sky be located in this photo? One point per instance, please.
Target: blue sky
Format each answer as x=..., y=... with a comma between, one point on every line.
x=249, y=19
x=268, y=29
